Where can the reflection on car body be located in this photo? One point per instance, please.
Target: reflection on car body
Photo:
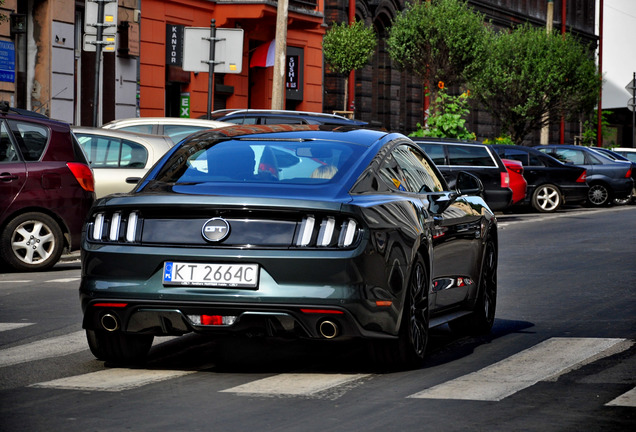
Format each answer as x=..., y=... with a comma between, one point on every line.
x=230, y=233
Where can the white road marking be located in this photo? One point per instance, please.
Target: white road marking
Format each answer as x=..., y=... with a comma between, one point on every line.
x=64, y=280
x=46, y=348
x=295, y=384
x=11, y=326
x=545, y=361
x=112, y=380
x=626, y=399
x=15, y=281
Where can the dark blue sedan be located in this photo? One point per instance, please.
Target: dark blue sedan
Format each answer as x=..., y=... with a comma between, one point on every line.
x=290, y=231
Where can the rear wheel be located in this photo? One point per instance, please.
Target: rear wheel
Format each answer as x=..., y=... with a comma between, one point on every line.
x=119, y=347
x=598, y=195
x=408, y=351
x=547, y=198
x=482, y=318
x=32, y=241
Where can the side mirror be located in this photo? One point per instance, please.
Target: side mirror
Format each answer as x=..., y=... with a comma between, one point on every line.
x=468, y=184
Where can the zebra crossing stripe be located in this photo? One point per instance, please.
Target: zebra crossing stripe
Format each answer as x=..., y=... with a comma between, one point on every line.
x=626, y=399
x=43, y=349
x=12, y=326
x=543, y=362
x=113, y=380
x=296, y=384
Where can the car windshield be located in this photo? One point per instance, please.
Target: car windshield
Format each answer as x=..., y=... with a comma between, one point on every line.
x=255, y=160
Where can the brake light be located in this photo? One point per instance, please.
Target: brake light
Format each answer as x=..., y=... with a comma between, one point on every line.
x=505, y=179
x=83, y=175
x=629, y=173
x=515, y=168
x=582, y=178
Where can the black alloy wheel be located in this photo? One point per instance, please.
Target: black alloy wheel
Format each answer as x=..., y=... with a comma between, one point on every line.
x=119, y=347
x=408, y=351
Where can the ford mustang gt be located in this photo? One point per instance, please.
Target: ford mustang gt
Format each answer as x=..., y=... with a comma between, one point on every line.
x=304, y=231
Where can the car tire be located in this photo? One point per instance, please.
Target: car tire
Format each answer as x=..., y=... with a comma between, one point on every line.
x=547, y=198
x=482, y=318
x=32, y=242
x=599, y=195
x=408, y=351
x=119, y=347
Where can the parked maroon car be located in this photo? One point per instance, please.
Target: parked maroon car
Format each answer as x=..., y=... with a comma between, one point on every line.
x=46, y=189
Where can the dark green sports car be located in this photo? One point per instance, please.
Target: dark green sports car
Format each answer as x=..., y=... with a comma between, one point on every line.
x=308, y=231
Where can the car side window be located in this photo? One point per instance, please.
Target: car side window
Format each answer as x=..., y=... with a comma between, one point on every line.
x=32, y=138
x=464, y=155
x=146, y=128
x=104, y=152
x=419, y=175
x=514, y=154
x=8, y=152
x=392, y=175
x=435, y=152
x=535, y=161
x=284, y=120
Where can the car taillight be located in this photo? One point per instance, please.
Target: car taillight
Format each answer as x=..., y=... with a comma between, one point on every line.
x=515, y=168
x=582, y=178
x=83, y=175
x=327, y=232
x=629, y=173
x=505, y=180
x=114, y=227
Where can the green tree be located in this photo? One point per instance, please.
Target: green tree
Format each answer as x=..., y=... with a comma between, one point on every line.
x=526, y=73
x=436, y=40
x=348, y=47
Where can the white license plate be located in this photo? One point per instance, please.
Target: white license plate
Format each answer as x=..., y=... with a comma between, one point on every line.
x=213, y=275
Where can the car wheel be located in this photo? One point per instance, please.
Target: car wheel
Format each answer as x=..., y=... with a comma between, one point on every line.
x=482, y=318
x=32, y=241
x=598, y=195
x=119, y=347
x=547, y=198
x=408, y=351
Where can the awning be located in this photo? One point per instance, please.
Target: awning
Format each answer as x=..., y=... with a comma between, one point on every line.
x=263, y=56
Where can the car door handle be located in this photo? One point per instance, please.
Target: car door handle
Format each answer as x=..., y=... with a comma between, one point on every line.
x=7, y=177
x=132, y=180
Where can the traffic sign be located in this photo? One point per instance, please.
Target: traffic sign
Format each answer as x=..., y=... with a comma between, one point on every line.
x=631, y=86
x=107, y=43
x=631, y=104
x=228, y=50
x=108, y=24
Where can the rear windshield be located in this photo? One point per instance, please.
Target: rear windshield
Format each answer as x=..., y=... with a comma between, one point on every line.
x=260, y=161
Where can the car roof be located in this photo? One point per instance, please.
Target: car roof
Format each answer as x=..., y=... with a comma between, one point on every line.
x=164, y=120
x=119, y=133
x=281, y=113
x=447, y=141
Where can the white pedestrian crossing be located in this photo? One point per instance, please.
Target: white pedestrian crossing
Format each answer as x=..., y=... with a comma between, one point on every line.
x=543, y=362
x=13, y=326
x=297, y=384
x=43, y=349
x=113, y=380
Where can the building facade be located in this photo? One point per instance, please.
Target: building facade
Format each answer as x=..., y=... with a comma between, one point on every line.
x=56, y=71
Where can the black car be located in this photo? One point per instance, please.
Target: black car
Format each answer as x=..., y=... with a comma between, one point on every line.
x=608, y=179
x=269, y=117
x=46, y=190
x=300, y=231
x=453, y=156
x=551, y=183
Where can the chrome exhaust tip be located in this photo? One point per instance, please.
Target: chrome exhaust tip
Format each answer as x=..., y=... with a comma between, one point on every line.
x=110, y=322
x=328, y=329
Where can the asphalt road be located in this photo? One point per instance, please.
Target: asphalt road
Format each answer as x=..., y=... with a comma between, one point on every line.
x=561, y=356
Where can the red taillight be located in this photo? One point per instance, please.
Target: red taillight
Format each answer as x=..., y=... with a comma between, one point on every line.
x=111, y=305
x=505, y=180
x=83, y=175
x=629, y=173
x=582, y=178
x=515, y=168
x=211, y=320
x=321, y=311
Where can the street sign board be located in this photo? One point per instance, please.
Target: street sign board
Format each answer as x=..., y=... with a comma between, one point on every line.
x=108, y=43
x=7, y=61
x=631, y=104
x=631, y=86
x=228, y=50
x=91, y=15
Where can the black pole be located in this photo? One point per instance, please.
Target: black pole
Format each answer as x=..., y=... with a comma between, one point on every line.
x=98, y=57
x=634, y=111
x=211, y=67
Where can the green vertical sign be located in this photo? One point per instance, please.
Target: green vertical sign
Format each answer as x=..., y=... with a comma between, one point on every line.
x=184, y=108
